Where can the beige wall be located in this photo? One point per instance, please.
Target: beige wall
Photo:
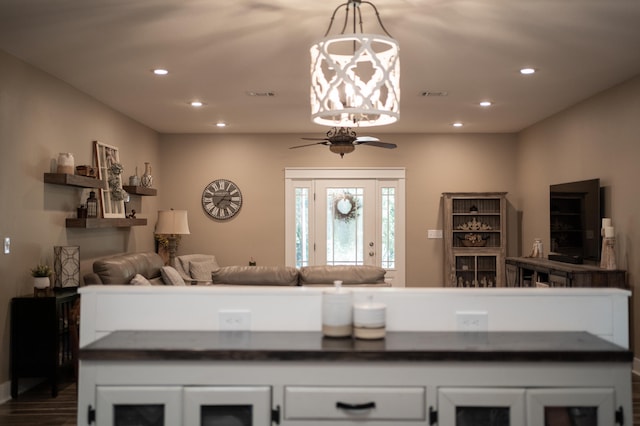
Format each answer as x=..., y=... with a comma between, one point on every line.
x=434, y=164
x=597, y=138
x=40, y=117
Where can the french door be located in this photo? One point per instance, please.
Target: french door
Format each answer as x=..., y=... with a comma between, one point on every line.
x=346, y=217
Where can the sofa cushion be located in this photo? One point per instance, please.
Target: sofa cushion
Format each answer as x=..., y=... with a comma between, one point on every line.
x=326, y=274
x=256, y=275
x=183, y=265
x=121, y=269
x=201, y=270
x=139, y=280
x=170, y=276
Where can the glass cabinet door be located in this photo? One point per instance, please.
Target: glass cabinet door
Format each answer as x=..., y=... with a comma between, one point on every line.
x=138, y=406
x=227, y=406
x=579, y=407
x=481, y=406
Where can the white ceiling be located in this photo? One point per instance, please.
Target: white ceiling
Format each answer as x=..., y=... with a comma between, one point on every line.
x=217, y=50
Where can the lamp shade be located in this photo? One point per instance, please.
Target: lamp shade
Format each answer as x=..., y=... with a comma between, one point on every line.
x=172, y=222
x=355, y=81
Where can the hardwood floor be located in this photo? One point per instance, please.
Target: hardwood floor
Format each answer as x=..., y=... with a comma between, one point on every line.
x=37, y=408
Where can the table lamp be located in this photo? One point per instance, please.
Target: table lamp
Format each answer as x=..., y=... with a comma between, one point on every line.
x=172, y=223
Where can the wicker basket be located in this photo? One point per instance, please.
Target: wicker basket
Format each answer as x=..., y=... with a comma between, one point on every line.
x=467, y=243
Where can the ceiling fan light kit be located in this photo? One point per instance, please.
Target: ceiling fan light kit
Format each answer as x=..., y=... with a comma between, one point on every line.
x=355, y=78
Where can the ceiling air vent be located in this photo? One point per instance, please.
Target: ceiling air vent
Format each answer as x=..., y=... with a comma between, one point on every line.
x=265, y=93
x=433, y=93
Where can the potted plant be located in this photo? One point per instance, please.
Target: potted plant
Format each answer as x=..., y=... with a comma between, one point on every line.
x=41, y=274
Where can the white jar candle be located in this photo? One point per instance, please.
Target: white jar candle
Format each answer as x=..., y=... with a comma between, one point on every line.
x=369, y=320
x=337, y=311
x=66, y=163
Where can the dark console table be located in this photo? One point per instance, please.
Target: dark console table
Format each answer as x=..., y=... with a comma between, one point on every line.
x=43, y=338
x=527, y=271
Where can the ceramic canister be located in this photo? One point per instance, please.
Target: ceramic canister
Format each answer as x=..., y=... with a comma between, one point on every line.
x=369, y=320
x=66, y=163
x=337, y=311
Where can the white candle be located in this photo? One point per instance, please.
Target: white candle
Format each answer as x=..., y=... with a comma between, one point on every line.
x=609, y=232
x=606, y=221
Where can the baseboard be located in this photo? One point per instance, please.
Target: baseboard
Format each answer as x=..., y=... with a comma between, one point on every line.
x=24, y=385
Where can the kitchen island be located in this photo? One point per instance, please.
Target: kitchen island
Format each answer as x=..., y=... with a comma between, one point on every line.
x=302, y=378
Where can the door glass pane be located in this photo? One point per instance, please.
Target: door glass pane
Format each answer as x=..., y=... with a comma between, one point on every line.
x=573, y=416
x=226, y=415
x=302, y=227
x=482, y=416
x=138, y=415
x=345, y=226
x=388, y=204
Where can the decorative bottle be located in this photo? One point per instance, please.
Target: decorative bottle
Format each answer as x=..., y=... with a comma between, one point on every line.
x=134, y=180
x=92, y=205
x=147, y=179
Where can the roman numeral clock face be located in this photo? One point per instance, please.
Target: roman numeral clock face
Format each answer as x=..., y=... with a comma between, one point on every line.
x=221, y=199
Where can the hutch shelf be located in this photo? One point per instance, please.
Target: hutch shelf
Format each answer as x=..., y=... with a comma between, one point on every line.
x=475, y=239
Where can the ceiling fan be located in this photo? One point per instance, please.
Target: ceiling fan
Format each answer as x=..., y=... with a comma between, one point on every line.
x=343, y=140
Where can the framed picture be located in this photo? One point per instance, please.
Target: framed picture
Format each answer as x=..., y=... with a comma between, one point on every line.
x=110, y=171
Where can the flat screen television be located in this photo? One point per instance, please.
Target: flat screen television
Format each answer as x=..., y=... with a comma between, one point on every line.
x=575, y=221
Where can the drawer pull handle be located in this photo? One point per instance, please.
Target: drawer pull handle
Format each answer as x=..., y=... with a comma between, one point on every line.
x=347, y=406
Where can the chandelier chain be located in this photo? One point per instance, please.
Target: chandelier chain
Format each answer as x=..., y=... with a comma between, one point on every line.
x=356, y=8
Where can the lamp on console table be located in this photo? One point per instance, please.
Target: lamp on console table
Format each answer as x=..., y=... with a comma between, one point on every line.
x=172, y=223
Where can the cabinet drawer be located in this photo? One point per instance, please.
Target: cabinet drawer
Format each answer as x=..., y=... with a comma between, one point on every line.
x=375, y=403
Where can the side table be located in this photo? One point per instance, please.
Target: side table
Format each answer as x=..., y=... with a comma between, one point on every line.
x=43, y=337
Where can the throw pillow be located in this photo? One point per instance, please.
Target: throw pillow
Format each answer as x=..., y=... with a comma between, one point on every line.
x=170, y=276
x=201, y=270
x=139, y=280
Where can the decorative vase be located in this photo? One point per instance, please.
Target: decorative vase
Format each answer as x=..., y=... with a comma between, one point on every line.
x=41, y=282
x=147, y=179
x=134, y=180
x=66, y=163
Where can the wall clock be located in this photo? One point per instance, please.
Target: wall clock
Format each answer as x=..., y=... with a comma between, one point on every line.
x=221, y=199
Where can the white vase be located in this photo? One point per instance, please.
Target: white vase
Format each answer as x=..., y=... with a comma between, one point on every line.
x=41, y=282
x=147, y=179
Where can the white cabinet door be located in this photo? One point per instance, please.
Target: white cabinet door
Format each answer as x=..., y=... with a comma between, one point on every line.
x=138, y=405
x=227, y=405
x=570, y=406
x=481, y=406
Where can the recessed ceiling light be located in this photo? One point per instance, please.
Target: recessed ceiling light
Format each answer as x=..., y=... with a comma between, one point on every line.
x=457, y=124
x=196, y=104
x=221, y=124
x=486, y=103
x=527, y=71
x=160, y=71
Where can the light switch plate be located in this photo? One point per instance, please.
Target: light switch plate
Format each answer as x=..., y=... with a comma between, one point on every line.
x=434, y=233
x=7, y=245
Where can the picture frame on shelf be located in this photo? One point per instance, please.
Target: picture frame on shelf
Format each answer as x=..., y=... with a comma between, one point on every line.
x=112, y=195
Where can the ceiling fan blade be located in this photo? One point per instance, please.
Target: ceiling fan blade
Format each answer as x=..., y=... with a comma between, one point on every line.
x=315, y=139
x=309, y=144
x=379, y=144
x=361, y=139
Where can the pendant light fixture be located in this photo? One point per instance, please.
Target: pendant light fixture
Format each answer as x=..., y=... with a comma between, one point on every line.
x=355, y=78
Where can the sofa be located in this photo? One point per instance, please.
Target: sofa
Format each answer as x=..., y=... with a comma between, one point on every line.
x=201, y=269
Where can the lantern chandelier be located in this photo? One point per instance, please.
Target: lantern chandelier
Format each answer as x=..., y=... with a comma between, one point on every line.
x=355, y=78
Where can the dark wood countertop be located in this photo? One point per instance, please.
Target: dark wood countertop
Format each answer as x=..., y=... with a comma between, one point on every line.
x=312, y=346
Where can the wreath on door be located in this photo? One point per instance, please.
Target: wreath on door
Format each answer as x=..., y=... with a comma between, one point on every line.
x=345, y=207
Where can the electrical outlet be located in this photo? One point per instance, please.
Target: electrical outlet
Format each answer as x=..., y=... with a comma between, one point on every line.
x=7, y=245
x=472, y=320
x=234, y=319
